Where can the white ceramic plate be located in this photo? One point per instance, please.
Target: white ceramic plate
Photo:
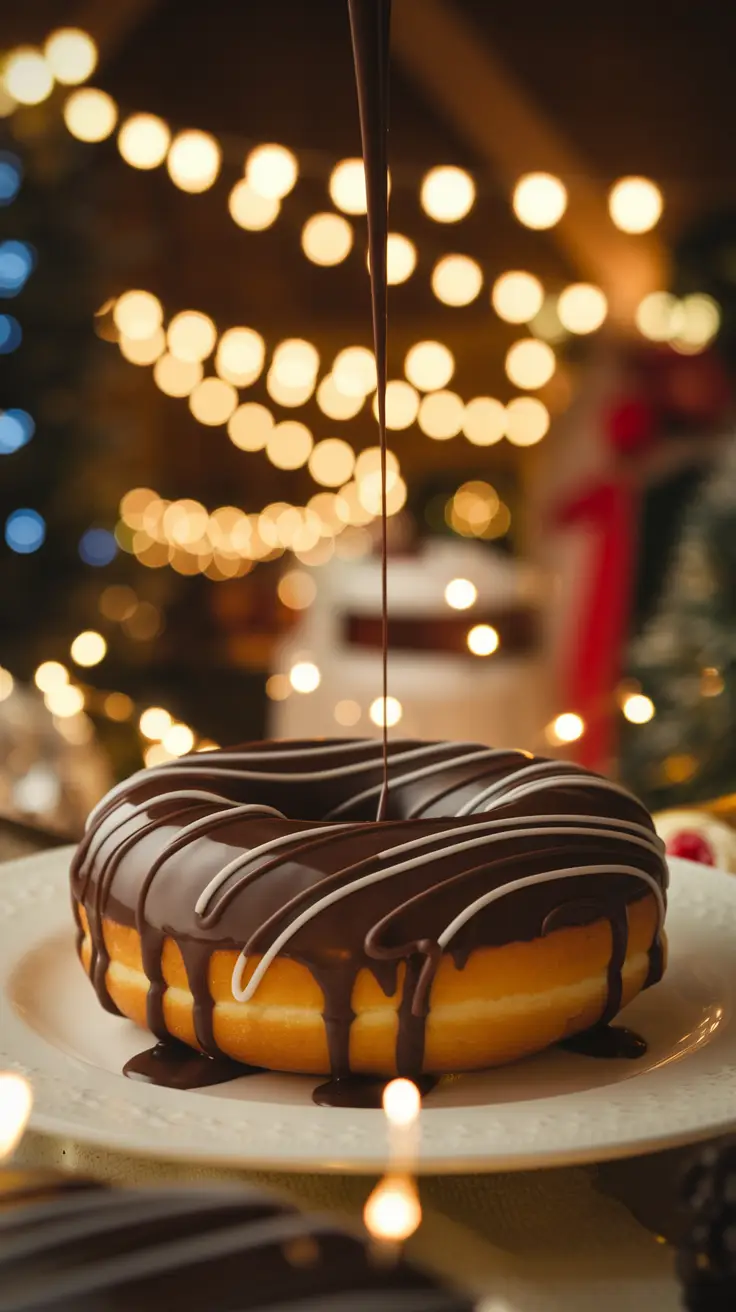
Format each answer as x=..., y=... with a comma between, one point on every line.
x=547, y=1110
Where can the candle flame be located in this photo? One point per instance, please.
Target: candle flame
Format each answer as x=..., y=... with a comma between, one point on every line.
x=401, y=1102
x=393, y=1211
x=15, y=1108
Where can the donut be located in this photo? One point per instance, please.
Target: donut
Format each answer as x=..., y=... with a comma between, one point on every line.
x=505, y=902
x=73, y=1245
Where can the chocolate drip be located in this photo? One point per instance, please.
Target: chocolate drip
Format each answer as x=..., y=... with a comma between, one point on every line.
x=364, y=1091
x=656, y=962
x=370, y=24
x=172, y=1065
x=336, y=981
x=584, y=913
x=196, y=957
x=609, y=1041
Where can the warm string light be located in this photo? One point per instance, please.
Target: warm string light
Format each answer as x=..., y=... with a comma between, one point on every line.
x=539, y=200
x=16, y=1101
x=392, y=1211
x=90, y=115
x=239, y=358
x=635, y=204
x=568, y=727
x=457, y=279
x=304, y=676
x=530, y=363
x=688, y=324
x=517, y=297
x=638, y=708
x=476, y=511
x=389, y=711
x=482, y=640
x=327, y=239
x=461, y=594
x=69, y=57
x=447, y=194
x=429, y=366
x=66, y=701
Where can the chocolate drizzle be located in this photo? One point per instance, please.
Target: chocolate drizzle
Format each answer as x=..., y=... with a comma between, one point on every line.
x=482, y=848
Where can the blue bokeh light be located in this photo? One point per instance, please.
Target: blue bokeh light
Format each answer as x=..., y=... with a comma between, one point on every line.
x=11, y=334
x=16, y=428
x=11, y=176
x=25, y=531
x=98, y=547
x=17, y=260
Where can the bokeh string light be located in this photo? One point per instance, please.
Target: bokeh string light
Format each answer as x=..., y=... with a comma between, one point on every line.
x=517, y=296
x=447, y=194
x=457, y=280
x=539, y=200
x=271, y=170
x=327, y=239
x=635, y=204
x=239, y=359
x=90, y=115
x=193, y=160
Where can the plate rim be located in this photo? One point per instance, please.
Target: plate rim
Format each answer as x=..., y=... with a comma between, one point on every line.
x=41, y=880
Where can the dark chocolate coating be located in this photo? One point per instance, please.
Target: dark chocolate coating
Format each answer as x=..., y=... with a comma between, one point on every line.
x=157, y=841
x=69, y=1248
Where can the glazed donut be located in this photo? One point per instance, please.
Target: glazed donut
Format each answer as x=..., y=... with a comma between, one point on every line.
x=506, y=902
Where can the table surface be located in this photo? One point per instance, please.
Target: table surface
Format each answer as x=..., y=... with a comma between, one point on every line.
x=559, y=1240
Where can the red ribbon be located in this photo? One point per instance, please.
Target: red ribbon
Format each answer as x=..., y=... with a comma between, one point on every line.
x=595, y=664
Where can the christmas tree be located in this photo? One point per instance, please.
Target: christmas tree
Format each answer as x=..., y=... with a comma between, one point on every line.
x=684, y=654
x=685, y=658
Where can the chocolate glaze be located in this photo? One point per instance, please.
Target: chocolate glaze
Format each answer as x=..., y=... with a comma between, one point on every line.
x=90, y=1248
x=501, y=845
x=607, y=1041
x=172, y=1065
x=365, y=1091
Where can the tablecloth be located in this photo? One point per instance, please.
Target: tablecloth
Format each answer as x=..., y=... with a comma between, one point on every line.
x=581, y=1239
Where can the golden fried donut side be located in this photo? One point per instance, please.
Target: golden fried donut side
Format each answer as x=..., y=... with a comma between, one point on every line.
x=506, y=1002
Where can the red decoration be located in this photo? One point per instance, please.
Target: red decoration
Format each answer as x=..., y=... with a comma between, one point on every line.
x=597, y=649
x=691, y=846
x=671, y=393
x=632, y=425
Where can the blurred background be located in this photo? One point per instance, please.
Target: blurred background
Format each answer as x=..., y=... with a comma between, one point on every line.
x=188, y=464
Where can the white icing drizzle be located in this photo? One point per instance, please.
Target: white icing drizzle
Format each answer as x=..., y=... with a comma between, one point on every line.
x=244, y=858
x=542, y=785
x=240, y=862
x=531, y=779
x=545, y=877
x=121, y=818
x=197, y=760
x=336, y=895
x=487, y=754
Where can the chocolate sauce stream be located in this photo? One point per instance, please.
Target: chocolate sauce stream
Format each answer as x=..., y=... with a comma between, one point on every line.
x=370, y=24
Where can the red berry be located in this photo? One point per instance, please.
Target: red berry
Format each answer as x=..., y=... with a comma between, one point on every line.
x=691, y=846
